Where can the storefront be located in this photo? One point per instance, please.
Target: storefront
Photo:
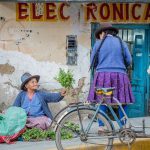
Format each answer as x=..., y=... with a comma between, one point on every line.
x=51, y=26
x=134, y=28
x=138, y=39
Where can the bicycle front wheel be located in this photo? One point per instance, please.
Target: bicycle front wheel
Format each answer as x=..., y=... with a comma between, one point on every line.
x=71, y=133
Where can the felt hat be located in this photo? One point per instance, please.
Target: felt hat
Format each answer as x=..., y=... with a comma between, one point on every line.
x=104, y=27
x=27, y=77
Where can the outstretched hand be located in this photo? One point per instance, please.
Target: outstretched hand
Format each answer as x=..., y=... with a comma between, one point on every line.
x=63, y=92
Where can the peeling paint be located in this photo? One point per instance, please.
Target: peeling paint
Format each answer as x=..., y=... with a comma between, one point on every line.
x=10, y=83
x=13, y=86
x=6, y=69
x=40, y=48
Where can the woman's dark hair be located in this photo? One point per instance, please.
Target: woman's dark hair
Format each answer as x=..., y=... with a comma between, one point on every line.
x=112, y=32
x=95, y=59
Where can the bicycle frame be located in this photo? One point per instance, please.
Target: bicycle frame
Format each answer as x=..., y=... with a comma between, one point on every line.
x=125, y=131
x=97, y=110
x=124, y=113
x=78, y=106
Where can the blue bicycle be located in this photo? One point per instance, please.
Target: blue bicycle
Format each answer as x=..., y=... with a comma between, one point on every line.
x=82, y=130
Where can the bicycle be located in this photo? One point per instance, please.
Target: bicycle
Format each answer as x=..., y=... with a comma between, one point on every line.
x=80, y=128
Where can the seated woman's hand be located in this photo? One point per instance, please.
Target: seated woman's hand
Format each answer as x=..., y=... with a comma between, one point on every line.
x=63, y=92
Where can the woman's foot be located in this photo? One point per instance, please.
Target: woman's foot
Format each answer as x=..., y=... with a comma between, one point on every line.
x=101, y=130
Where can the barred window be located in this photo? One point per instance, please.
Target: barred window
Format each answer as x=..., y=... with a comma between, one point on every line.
x=71, y=47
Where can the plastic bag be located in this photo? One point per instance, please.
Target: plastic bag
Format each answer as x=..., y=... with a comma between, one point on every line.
x=12, y=121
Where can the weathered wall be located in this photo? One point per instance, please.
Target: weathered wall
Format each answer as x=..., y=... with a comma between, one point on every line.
x=39, y=48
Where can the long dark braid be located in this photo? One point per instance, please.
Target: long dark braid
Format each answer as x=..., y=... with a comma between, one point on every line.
x=95, y=58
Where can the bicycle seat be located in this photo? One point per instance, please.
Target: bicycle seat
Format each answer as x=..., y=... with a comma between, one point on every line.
x=105, y=91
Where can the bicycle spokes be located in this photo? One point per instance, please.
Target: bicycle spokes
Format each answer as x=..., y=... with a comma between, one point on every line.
x=72, y=133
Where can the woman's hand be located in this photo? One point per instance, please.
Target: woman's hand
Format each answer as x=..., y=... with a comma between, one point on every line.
x=63, y=92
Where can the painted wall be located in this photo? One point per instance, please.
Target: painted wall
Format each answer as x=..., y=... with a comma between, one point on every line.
x=39, y=48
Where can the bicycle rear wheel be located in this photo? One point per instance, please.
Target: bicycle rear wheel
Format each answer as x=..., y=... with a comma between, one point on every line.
x=70, y=136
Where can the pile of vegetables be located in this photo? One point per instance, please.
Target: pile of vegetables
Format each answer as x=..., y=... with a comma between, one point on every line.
x=68, y=130
x=36, y=134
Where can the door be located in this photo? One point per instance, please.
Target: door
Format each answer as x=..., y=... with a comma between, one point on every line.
x=136, y=36
x=148, y=75
x=138, y=76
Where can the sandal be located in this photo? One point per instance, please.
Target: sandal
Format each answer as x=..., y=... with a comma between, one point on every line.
x=103, y=131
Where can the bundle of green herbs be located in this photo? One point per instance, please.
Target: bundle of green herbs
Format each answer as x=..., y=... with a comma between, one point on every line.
x=66, y=79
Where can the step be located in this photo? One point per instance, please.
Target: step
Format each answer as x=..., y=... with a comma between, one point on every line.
x=139, y=144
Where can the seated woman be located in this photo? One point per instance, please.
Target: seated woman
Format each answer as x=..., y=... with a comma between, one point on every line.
x=35, y=102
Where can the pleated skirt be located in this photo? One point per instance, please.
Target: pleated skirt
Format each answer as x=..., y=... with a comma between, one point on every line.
x=123, y=90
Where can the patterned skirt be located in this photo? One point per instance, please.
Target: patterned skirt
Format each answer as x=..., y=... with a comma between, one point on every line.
x=41, y=122
x=120, y=81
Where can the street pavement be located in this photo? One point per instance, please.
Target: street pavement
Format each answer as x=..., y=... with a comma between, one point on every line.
x=142, y=144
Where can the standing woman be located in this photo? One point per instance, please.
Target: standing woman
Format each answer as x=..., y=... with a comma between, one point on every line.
x=113, y=57
x=35, y=102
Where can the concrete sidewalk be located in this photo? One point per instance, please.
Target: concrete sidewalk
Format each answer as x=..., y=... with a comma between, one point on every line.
x=140, y=144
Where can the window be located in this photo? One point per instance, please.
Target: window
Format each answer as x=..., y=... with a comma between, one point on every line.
x=71, y=47
x=128, y=36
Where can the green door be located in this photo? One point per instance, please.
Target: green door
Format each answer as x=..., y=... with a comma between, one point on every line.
x=136, y=36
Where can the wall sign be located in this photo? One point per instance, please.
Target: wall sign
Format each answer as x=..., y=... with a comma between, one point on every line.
x=41, y=12
x=93, y=12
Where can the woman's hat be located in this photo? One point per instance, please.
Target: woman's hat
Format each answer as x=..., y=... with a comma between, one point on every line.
x=104, y=27
x=27, y=77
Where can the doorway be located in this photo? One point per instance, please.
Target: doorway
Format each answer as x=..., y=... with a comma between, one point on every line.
x=138, y=38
